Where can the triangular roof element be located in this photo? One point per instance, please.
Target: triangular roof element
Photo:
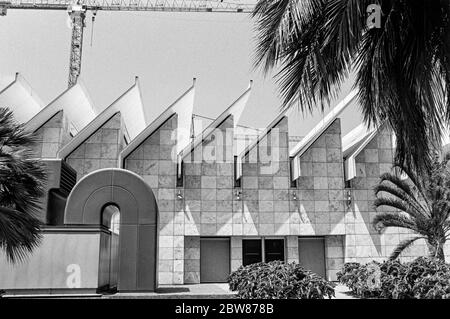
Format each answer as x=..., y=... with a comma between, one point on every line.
x=183, y=106
x=235, y=109
x=6, y=80
x=352, y=144
x=323, y=125
x=76, y=104
x=353, y=139
x=21, y=99
x=263, y=133
x=126, y=105
x=131, y=106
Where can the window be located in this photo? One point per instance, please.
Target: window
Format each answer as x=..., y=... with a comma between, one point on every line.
x=347, y=183
x=294, y=164
x=251, y=251
x=180, y=173
x=274, y=249
x=237, y=172
x=258, y=250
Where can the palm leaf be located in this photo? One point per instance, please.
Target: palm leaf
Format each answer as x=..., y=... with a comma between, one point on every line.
x=384, y=220
x=404, y=244
x=403, y=206
x=408, y=201
x=19, y=233
x=402, y=69
x=419, y=183
x=22, y=181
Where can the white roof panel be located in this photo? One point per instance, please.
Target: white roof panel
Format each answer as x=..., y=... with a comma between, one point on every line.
x=20, y=98
x=76, y=104
x=235, y=109
x=131, y=108
x=352, y=144
x=183, y=106
x=125, y=104
x=262, y=134
x=352, y=138
x=323, y=125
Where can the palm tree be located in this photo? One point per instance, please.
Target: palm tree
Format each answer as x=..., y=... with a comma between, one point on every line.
x=401, y=70
x=421, y=204
x=21, y=185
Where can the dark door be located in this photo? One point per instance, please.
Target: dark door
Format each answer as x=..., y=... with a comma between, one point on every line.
x=311, y=252
x=214, y=259
x=251, y=251
x=274, y=249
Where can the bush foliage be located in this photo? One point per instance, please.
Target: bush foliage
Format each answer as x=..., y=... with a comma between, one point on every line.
x=279, y=280
x=423, y=278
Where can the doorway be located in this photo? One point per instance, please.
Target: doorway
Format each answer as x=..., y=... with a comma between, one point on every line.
x=311, y=254
x=214, y=259
x=111, y=219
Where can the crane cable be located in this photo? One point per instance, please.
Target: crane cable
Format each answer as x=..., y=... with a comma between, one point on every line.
x=94, y=14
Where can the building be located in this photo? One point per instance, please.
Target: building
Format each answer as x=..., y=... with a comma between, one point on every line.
x=134, y=205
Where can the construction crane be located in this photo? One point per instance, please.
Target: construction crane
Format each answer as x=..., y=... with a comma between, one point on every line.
x=77, y=12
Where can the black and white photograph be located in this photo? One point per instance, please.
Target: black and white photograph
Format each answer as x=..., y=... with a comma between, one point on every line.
x=213, y=157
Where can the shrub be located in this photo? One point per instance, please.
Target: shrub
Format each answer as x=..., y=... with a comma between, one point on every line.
x=358, y=278
x=431, y=278
x=423, y=278
x=278, y=280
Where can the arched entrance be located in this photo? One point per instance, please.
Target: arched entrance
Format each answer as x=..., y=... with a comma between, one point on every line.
x=138, y=221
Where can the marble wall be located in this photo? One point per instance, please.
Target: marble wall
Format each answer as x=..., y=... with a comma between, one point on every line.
x=266, y=197
x=363, y=243
x=265, y=204
x=191, y=259
x=208, y=186
x=101, y=149
x=321, y=184
x=52, y=136
x=155, y=161
x=210, y=204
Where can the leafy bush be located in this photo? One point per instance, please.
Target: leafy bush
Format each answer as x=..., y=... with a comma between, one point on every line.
x=423, y=278
x=357, y=278
x=431, y=279
x=278, y=280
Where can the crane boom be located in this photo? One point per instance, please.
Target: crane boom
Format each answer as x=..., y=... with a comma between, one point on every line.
x=77, y=12
x=135, y=5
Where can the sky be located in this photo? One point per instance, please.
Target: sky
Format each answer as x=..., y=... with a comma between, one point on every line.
x=166, y=50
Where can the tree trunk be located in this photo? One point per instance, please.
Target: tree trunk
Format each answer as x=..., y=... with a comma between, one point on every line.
x=436, y=248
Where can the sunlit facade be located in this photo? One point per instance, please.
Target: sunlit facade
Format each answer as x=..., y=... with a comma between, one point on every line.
x=132, y=205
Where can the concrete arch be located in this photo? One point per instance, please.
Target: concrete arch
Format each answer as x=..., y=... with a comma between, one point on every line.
x=138, y=224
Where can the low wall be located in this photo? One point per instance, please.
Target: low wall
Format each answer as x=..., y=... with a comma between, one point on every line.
x=68, y=260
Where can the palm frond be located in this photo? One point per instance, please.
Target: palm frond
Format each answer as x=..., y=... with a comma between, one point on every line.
x=398, y=81
x=396, y=203
x=19, y=233
x=409, y=201
x=278, y=23
x=404, y=244
x=419, y=183
x=402, y=69
x=385, y=220
x=22, y=182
